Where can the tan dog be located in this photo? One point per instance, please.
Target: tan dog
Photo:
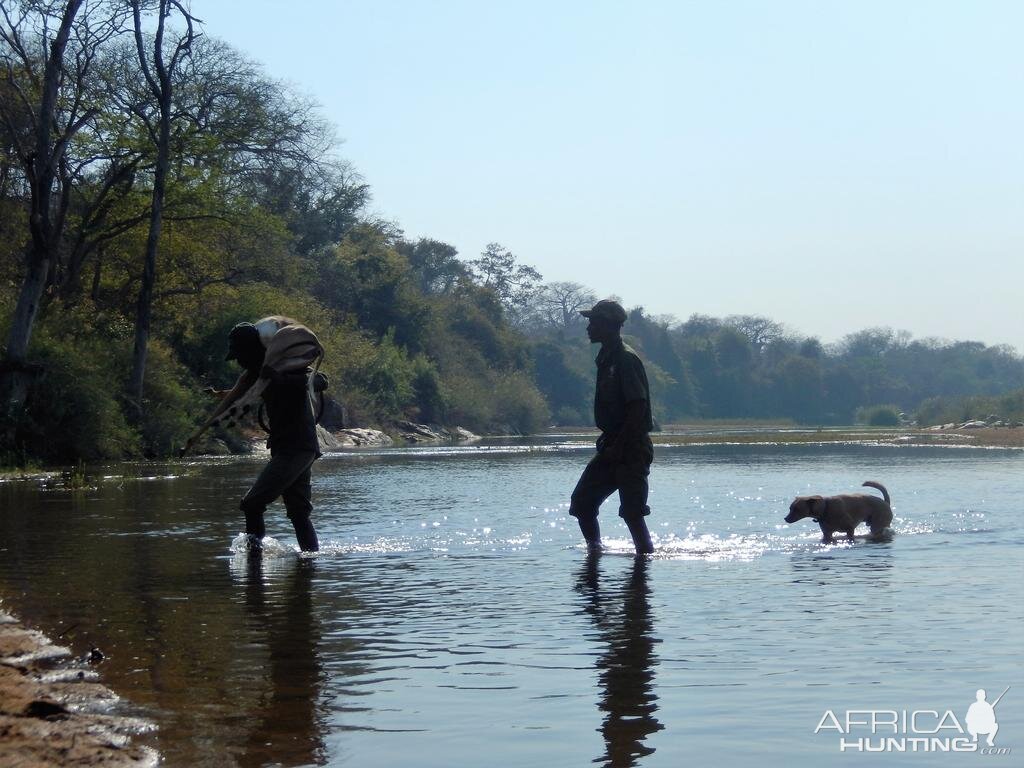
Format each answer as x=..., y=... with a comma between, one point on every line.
x=844, y=512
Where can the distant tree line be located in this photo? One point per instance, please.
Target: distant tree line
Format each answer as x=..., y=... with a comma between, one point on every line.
x=751, y=367
x=157, y=187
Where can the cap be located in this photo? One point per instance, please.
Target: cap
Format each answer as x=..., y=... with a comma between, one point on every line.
x=243, y=336
x=608, y=310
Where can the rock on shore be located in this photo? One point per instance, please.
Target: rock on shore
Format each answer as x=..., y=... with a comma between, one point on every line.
x=351, y=438
x=432, y=433
x=408, y=431
x=992, y=422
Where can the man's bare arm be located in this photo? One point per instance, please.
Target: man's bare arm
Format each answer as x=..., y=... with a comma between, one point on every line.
x=245, y=381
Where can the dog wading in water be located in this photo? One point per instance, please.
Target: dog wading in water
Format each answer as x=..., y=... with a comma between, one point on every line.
x=845, y=512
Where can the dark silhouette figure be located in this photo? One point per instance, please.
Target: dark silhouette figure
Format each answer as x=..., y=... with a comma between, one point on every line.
x=622, y=411
x=286, y=727
x=293, y=443
x=626, y=669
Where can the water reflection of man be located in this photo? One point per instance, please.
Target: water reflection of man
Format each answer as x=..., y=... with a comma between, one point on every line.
x=626, y=669
x=286, y=727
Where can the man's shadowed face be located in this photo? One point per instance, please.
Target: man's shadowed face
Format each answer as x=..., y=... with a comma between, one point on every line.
x=601, y=330
x=244, y=345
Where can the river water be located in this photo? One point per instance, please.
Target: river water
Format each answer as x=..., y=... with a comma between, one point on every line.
x=453, y=619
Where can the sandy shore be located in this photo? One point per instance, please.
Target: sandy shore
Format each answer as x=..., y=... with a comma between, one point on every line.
x=54, y=713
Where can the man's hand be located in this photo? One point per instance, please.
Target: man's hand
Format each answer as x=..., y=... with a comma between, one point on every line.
x=612, y=452
x=188, y=446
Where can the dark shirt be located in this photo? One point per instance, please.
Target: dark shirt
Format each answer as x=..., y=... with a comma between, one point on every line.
x=621, y=379
x=289, y=415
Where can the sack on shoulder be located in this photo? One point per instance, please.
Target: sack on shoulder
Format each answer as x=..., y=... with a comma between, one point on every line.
x=291, y=348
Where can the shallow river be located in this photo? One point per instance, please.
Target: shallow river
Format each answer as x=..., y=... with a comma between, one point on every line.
x=454, y=620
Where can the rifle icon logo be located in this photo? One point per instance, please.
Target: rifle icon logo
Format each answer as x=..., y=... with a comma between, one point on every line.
x=981, y=717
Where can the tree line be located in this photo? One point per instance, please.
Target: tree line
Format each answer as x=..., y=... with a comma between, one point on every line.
x=751, y=367
x=157, y=187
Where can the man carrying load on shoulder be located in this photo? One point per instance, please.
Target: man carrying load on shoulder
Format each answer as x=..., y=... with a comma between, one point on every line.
x=622, y=411
x=275, y=355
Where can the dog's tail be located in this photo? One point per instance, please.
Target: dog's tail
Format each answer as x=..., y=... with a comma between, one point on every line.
x=877, y=486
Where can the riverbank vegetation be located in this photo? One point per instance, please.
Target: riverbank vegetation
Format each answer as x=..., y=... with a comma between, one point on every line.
x=154, y=191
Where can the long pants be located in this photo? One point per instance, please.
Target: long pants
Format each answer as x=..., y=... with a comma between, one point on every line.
x=601, y=479
x=286, y=475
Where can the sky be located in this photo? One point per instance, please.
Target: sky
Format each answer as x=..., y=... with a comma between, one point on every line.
x=832, y=165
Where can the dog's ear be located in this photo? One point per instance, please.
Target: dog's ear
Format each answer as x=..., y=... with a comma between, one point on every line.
x=817, y=505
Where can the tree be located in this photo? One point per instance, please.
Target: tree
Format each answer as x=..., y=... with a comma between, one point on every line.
x=159, y=71
x=365, y=277
x=514, y=284
x=760, y=331
x=557, y=305
x=871, y=342
x=568, y=391
x=675, y=388
x=435, y=265
x=699, y=326
x=271, y=144
x=320, y=202
x=811, y=348
x=250, y=175
x=231, y=145
x=799, y=388
x=43, y=108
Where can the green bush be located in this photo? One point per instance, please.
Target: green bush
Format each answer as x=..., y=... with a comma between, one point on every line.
x=172, y=402
x=428, y=390
x=74, y=411
x=519, y=404
x=388, y=378
x=570, y=417
x=879, y=416
x=942, y=410
x=472, y=403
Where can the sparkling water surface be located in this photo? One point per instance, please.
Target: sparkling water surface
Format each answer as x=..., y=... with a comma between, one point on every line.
x=453, y=619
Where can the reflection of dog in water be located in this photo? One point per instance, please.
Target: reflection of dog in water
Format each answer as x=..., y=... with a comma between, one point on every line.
x=844, y=512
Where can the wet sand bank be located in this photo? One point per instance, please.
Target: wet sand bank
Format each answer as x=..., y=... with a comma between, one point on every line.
x=55, y=713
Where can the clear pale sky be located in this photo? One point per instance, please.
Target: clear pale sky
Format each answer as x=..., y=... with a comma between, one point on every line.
x=832, y=165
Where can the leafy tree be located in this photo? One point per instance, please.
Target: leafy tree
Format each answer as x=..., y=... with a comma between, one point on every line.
x=799, y=388
x=557, y=305
x=369, y=279
x=435, y=265
x=46, y=53
x=677, y=397
x=513, y=283
x=760, y=331
x=566, y=389
x=811, y=348
x=160, y=72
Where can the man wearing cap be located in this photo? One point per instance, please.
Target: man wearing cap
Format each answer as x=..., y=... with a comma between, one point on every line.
x=622, y=411
x=293, y=440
